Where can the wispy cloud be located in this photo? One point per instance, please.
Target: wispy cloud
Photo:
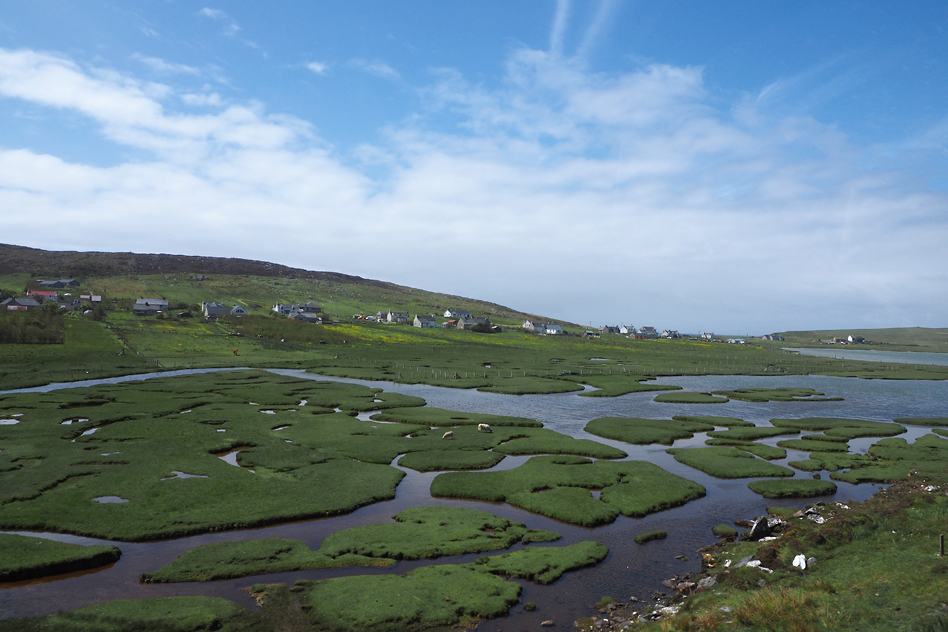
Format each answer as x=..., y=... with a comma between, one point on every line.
x=560, y=19
x=318, y=67
x=377, y=68
x=231, y=28
x=594, y=32
x=164, y=67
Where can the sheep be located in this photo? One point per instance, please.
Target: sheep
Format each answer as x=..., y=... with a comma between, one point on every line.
x=448, y=435
x=483, y=428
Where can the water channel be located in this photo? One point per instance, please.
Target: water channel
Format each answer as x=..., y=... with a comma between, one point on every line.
x=629, y=570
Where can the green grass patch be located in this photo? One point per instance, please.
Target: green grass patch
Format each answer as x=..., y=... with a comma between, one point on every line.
x=727, y=422
x=642, y=538
x=442, y=460
x=898, y=459
x=725, y=462
x=766, y=452
x=437, y=417
x=811, y=445
x=645, y=431
x=544, y=565
x=559, y=487
x=417, y=533
x=831, y=462
x=923, y=421
x=747, y=433
x=616, y=384
x=777, y=395
x=426, y=597
x=842, y=428
x=23, y=557
x=793, y=488
x=433, y=596
x=690, y=398
x=163, y=614
x=780, y=511
x=724, y=532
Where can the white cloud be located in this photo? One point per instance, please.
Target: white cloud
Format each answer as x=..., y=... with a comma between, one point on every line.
x=131, y=112
x=212, y=99
x=377, y=68
x=164, y=67
x=611, y=198
x=318, y=67
x=231, y=27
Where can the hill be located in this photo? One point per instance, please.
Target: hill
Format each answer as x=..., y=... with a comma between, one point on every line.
x=257, y=285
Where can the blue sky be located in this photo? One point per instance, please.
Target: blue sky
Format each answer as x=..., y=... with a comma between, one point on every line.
x=738, y=167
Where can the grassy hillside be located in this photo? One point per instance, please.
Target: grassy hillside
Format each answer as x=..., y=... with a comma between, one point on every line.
x=255, y=285
x=893, y=339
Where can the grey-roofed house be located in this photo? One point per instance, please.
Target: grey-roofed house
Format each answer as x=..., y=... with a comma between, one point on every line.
x=452, y=312
x=536, y=326
x=149, y=306
x=425, y=322
x=397, y=317
x=213, y=310
x=467, y=323
x=19, y=304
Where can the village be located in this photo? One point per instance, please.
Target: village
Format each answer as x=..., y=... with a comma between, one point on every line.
x=52, y=291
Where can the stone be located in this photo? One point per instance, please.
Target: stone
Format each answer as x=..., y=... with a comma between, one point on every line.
x=760, y=529
x=707, y=583
x=547, y=624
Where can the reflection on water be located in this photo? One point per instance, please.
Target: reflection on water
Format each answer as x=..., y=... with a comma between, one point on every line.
x=629, y=570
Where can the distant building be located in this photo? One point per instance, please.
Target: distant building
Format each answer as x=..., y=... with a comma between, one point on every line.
x=149, y=306
x=456, y=313
x=609, y=329
x=535, y=326
x=61, y=283
x=552, y=329
x=42, y=294
x=425, y=322
x=471, y=321
x=707, y=336
x=627, y=329
x=397, y=317
x=670, y=334
x=856, y=340
x=19, y=304
x=287, y=309
x=213, y=310
x=646, y=332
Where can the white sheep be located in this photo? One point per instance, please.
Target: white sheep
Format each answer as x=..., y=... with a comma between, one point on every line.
x=448, y=435
x=483, y=428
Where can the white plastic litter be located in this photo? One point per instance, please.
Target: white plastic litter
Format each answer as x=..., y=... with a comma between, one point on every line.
x=800, y=562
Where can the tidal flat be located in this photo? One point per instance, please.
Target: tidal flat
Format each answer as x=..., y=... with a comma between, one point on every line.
x=627, y=569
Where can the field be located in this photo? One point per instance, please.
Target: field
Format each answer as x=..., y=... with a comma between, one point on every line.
x=205, y=453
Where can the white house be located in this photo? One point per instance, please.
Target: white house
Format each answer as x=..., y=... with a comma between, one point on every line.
x=456, y=313
x=627, y=329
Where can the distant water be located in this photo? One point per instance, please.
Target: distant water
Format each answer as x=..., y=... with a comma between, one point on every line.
x=897, y=357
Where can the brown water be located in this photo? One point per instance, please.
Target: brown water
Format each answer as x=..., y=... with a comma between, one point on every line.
x=630, y=569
